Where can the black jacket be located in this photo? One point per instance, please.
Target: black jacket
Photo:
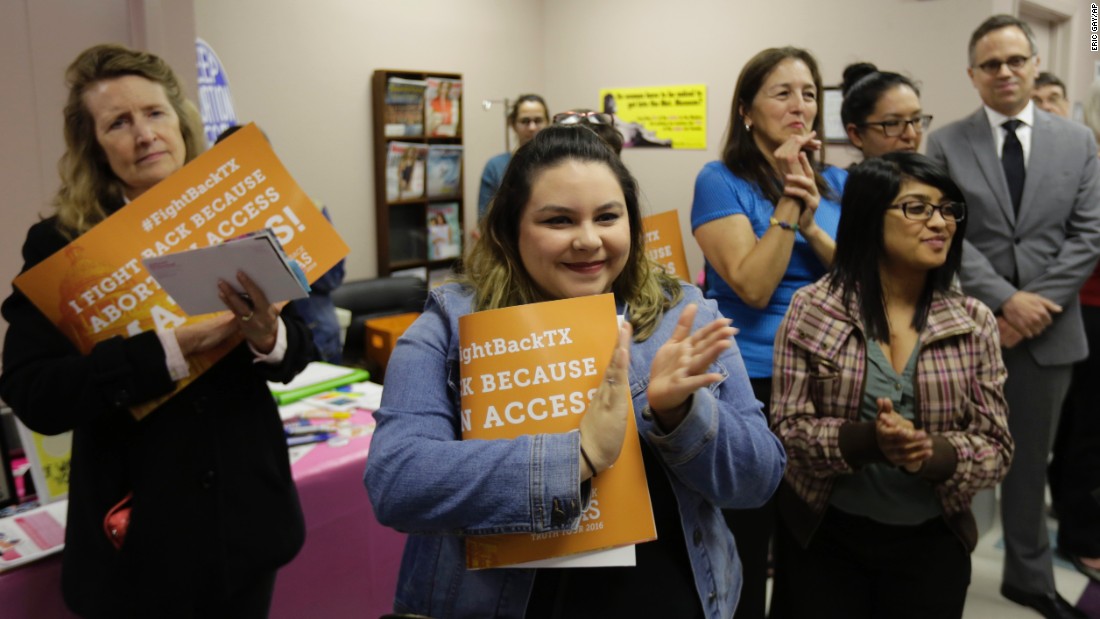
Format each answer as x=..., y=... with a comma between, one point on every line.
x=214, y=506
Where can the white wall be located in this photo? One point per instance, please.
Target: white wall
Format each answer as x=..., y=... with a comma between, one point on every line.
x=309, y=86
x=622, y=43
x=708, y=41
x=302, y=71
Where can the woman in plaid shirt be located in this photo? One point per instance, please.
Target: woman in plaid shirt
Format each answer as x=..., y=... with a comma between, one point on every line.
x=888, y=396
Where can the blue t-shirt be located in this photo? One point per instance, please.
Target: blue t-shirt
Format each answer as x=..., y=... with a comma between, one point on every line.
x=490, y=181
x=719, y=193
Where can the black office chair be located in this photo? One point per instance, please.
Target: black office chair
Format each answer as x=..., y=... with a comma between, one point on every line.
x=374, y=298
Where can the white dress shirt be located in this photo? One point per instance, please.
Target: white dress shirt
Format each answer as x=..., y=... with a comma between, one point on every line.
x=1023, y=132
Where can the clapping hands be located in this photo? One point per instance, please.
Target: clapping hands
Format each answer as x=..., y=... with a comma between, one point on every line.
x=799, y=181
x=903, y=445
x=680, y=366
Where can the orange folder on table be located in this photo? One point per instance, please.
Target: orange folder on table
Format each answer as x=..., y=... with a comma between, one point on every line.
x=532, y=369
x=96, y=288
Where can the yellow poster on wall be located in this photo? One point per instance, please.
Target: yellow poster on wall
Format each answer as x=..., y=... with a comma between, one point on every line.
x=96, y=287
x=659, y=116
x=533, y=369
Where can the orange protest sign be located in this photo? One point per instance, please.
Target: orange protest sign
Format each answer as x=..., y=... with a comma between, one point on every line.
x=533, y=369
x=665, y=245
x=96, y=288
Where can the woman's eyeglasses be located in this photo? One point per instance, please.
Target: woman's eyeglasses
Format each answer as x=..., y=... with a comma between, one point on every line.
x=592, y=118
x=894, y=128
x=917, y=210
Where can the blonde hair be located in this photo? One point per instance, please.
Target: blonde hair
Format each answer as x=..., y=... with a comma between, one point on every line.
x=494, y=269
x=87, y=181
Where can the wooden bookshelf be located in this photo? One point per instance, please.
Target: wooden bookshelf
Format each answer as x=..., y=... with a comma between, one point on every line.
x=401, y=223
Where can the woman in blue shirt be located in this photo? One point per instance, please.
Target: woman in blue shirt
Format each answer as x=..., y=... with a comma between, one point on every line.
x=765, y=218
x=527, y=117
x=566, y=223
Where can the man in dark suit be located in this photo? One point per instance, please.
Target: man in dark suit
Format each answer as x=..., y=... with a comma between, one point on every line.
x=1032, y=186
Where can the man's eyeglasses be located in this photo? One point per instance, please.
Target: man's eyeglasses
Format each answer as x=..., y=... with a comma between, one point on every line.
x=993, y=66
x=894, y=128
x=592, y=118
x=916, y=210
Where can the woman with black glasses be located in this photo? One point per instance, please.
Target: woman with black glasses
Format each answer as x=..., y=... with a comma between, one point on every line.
x=765, y=216
x=881, y=110
x=888, y=397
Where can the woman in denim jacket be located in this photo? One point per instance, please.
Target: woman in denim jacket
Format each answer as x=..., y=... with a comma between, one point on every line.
x=567, y=223
x=889, y=397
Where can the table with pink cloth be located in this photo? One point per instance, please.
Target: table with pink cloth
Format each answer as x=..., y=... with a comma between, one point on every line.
x=347, y=568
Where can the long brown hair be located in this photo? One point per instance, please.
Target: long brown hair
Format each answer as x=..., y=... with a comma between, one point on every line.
x=87, y=181
x=740, y=153
x=494, y=269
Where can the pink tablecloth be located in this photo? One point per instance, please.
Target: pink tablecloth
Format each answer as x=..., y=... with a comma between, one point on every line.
x=348, y=567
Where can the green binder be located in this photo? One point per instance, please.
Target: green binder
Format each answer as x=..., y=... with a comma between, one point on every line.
x=318, y=377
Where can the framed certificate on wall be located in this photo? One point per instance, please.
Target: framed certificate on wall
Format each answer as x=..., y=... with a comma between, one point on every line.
x=830, y=110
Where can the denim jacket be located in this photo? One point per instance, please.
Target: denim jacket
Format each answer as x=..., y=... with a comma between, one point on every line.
x=424, y=480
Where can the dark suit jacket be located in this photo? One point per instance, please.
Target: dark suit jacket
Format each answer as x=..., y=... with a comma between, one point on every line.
x=214, y=502
x=1052, y=248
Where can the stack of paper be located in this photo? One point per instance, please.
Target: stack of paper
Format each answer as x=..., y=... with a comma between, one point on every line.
x=191, y=277
x=30, y=535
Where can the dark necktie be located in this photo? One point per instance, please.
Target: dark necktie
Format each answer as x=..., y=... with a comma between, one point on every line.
x=1012, y=159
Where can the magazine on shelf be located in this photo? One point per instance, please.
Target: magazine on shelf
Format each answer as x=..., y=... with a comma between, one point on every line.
x=191, y=277
x=549, y=387
x=442, y=105
x=405, y=172
x=404, y=107
x=31, y=534
x=444, y=235
x=444, y=170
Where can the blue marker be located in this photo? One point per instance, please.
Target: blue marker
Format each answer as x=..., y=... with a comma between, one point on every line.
x=305, y=439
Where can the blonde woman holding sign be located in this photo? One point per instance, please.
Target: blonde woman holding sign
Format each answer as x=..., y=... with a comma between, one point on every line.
x=566, y=223
x=214, y=510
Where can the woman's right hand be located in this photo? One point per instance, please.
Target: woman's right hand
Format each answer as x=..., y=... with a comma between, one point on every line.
x=802, y=186
x=603, y=427
x=787, y=160
x=203, y=336
x=902, y=444
x=799, y=183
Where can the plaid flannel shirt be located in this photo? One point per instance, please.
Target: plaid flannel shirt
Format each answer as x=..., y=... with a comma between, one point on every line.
x=818, y=380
